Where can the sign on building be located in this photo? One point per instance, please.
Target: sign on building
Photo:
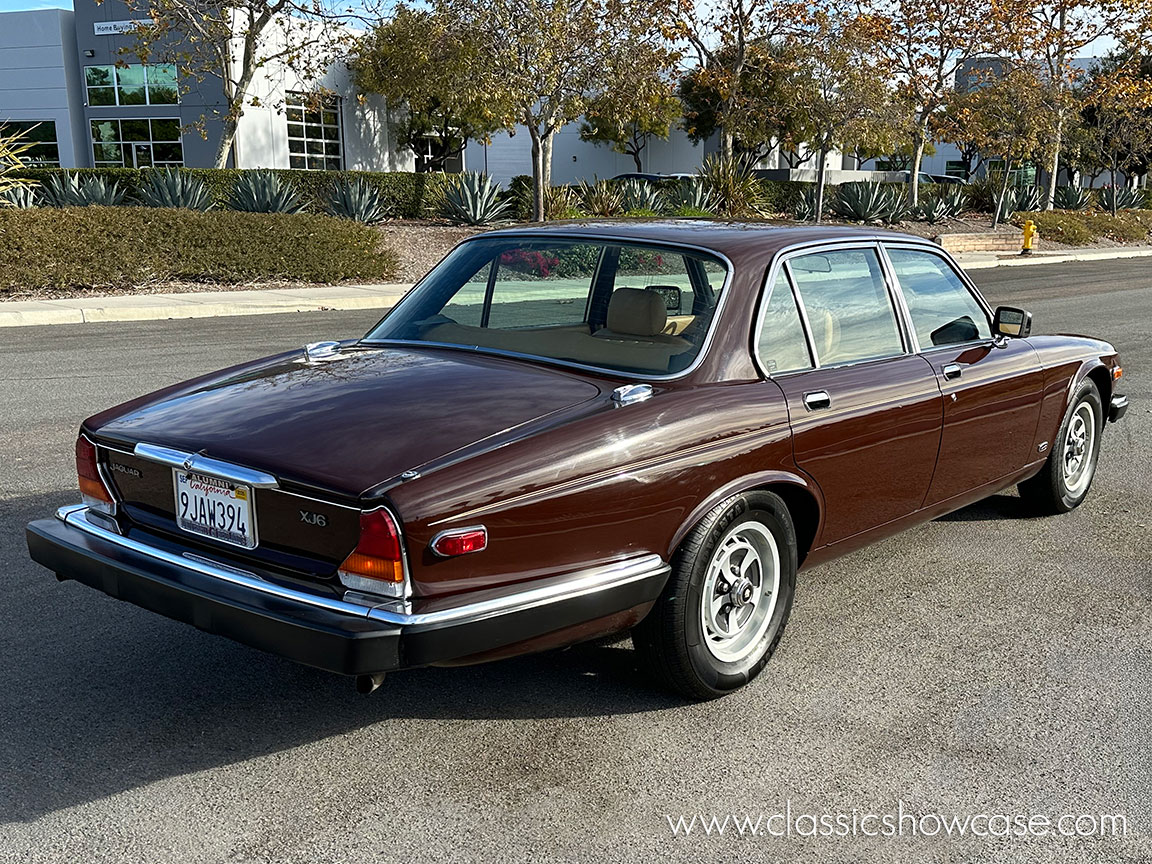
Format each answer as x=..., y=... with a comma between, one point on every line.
x=111, y=28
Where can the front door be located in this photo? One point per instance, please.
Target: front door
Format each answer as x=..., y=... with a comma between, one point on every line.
x=992, y=391
x=865, y=421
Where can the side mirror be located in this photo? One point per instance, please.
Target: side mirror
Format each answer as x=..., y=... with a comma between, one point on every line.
x=670, y=294
x=1013, y=322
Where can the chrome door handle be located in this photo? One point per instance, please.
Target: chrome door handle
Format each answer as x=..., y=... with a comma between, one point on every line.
x=817, y=400
x=952, y=371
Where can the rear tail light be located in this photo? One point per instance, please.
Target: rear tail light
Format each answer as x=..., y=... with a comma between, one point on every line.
x=92, y=489
x=376, y=565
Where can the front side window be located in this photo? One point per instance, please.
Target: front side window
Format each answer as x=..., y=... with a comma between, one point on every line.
x=781, y=343
x=849, y=311
x=608, y=304
x=134, y=84
x=45, y=151
x=314, y=140
x=137, y=143
x=943, y=310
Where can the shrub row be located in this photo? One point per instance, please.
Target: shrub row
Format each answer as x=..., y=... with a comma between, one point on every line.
x=1079, y=228
x=405, y=195
x=117, y=247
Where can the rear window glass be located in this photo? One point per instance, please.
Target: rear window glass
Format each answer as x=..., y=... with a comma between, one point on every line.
x=609, y=304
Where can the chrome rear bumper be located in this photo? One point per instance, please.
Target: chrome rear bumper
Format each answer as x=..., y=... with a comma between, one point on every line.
x=350, y=637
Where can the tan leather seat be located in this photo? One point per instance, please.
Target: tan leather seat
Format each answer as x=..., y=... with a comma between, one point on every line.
x=639, y=315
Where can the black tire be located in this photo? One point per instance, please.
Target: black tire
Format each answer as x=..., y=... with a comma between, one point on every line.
x=1050, y=492
x=671, y=640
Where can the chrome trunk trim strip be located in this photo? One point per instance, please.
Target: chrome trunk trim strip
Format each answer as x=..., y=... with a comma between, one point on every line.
x=205, y=465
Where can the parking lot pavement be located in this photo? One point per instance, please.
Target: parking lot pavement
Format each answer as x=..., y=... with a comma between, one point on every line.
x=986, y=662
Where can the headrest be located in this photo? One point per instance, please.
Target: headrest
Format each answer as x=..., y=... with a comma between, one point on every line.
x=637, y=312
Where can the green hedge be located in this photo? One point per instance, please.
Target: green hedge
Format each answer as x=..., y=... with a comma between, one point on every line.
x=117, y=247
x=406, y=195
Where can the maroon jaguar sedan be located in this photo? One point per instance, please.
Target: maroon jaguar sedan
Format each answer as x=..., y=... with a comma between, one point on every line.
x=572, y=430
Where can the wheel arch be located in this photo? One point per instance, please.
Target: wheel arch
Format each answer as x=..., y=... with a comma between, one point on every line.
x=801, y=496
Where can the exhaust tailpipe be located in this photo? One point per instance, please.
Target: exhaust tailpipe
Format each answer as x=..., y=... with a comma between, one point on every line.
x=368, y=683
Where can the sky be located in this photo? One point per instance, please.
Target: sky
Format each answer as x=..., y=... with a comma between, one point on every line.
x=1100, y=47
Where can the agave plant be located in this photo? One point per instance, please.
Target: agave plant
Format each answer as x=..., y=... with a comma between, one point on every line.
x=640, y=195
x=1120, y=198
x=264, y=192
x=946, y=203
x=805, y=208
x=473, y=199
x=1072, y=198
x=356, y=199
x=1028, y=199
x=69, y=190
x=897, y=208
x=732, y=186
x=170, y=187
x=602, y=198
x=689, y=194
x=21, y=197
x=862, y=201
x=561, y=203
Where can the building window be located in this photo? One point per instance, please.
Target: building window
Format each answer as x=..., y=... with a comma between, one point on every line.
x=314, y=132
x=131, y=85
x=137, y=143
x=44, y=151
x=956, y=168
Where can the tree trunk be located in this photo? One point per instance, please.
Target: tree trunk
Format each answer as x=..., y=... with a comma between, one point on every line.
x=1115, y=196
x=537, y=174
x=918, y=138
x=546, y=155
x=1003, y=192
x=227, y=136
x=821, y=160
x=635, y=154
x=1054, y=165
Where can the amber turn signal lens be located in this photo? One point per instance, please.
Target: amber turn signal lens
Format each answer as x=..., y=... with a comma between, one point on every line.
x=1117, y=374
x=92, y=488
x=376, y=565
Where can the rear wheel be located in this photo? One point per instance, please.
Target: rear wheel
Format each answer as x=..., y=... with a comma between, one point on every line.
x=1066, y=477
x=727, y=600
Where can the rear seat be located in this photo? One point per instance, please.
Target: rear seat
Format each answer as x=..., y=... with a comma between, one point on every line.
x=632, y=339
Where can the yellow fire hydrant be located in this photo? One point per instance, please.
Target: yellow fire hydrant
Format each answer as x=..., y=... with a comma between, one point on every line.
x=1029, y=237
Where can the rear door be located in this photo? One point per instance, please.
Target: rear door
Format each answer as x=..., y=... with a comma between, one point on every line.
x=992, y=390
x=865, y=410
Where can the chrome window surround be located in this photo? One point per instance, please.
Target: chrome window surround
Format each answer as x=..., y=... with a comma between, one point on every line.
x=904, y=320
x=940, y=253
x=571, y=364
x=780, y=262
x=586, y=582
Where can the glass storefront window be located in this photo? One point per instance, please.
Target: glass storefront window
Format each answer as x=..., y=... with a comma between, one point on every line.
x=137, y=143
x=132, y=85
x=314, y=133
x=42, y=134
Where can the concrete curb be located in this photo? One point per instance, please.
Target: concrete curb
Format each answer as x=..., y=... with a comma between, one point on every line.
x=207, y=304
x=986, y=260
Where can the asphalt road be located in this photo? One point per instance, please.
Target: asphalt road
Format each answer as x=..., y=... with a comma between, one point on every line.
x=985, y=662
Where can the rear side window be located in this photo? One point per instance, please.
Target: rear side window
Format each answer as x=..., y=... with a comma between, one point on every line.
x=781, y=343
x=943, y=310
x=849, y=311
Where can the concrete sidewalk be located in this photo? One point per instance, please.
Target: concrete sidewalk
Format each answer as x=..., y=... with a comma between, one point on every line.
x=210, y=304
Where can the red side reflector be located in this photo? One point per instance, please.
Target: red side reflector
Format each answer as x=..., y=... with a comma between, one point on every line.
x=461, y=541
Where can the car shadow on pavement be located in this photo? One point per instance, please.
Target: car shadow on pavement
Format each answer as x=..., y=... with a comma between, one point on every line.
x=98, y=697
x=993, y=509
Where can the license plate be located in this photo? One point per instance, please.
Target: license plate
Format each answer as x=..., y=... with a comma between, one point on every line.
x=214, y=508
